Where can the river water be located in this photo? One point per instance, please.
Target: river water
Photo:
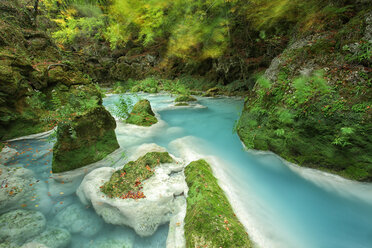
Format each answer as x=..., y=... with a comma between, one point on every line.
x=280, y=204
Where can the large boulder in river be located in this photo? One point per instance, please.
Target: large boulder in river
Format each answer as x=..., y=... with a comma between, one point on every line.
x=144, y=194
x=86, y=139
x=20, y=225
x=142, y=114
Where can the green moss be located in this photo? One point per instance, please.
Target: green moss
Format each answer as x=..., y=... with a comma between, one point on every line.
x=131, y=176
x=86, y=139
x=73, y=159
x=210, y=220
x=212, y=92
x=182, y=104
x=1, y=146
x=142, y=114
x=310, y=133
x=142, y=120
x=185, y=98
x=21, y=127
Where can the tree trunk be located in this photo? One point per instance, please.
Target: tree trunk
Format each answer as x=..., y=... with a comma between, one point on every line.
x=36, y=9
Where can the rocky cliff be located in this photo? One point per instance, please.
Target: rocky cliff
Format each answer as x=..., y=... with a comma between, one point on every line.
x=313, y=105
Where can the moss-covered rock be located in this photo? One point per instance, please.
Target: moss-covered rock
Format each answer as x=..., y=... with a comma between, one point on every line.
x=68, y=77
x=314, y=107
x=142, y=114
x=210, y=220
x=181, y=104
x=87, y=138
x=185, y=98
x=127, y=181
x=212, y=92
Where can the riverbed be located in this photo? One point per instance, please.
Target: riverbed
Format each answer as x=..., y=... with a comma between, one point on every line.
x=280, y=204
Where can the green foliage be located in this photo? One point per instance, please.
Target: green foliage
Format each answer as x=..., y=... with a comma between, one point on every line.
x=210, y=220
x=279, y=132
x=191, y=28
x=36, y=101
x=148, y=85
x=342, y=139
x=123, y=106
x=129, y=179
x=363, y=53
x=285, y=116
x=72, y=29
x=361, y=107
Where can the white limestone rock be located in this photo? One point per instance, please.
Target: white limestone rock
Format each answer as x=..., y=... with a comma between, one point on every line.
x=20, y=225
x=77, y=219
x=143, y=215
x=176, y=237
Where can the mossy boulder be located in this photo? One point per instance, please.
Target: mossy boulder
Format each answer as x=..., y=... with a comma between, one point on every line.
x=185, y=98
x=142, y=114
x=313, y=107
x=128, y=180
x=212, y=92
x=60, y=74
x=180, y=104
x=87, y=138
x=210, y=220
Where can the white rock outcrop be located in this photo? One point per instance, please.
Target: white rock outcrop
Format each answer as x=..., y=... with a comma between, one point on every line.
x=164, y=200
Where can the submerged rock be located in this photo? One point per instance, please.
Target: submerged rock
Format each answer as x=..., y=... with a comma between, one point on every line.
x=144, y=215
x=6, y=154
x=54, y=238
x=210, y=220
x=118, y=238
x=88, y=138
x=16, y=187
x=79, y=220
x=20, y=225
x=142, y=114
x=33, y=245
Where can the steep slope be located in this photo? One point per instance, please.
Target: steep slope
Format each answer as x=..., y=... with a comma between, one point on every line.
x=313, y=105
x=35, y=76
